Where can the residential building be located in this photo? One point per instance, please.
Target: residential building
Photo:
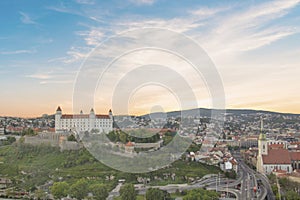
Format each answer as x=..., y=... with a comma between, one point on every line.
x=2, y=131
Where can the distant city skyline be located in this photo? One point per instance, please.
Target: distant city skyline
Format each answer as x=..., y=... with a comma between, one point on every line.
x=255, y=46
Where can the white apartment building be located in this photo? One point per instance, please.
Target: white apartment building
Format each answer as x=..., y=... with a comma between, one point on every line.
x=1, y=130
x=83, y=122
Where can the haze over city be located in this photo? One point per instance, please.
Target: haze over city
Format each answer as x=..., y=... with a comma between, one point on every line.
x=255, y=46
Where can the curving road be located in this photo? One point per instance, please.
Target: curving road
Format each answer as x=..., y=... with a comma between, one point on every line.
x=246, y=181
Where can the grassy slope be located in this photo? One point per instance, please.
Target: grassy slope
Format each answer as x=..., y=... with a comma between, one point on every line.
x=45, y=163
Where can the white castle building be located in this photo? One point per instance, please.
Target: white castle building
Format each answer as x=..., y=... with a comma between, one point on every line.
x=83, y=122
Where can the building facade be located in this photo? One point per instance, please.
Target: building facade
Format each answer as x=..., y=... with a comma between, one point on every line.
x=2, y=131
x=273, y=156
x=83, y=122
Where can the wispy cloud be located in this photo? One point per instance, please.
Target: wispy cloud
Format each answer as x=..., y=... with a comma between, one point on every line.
x=206, y=12
x=176, y=24
x=73, y=55
x=143, y=2
x=76, y=54
x=42, y=76
x=93, y=36
x=57, y=76
x=56, y=82
x=249, y=29
x=87, y=2
x=64, y=9
x=237, y=31
x=26, y=19
x=17, y=52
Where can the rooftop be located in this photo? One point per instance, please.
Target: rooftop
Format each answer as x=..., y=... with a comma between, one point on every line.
x=277, y=156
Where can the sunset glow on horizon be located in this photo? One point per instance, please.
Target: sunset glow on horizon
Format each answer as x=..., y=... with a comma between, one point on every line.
x=254, y=45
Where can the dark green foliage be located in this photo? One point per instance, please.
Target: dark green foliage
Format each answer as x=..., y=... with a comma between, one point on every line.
x=60, y=189
x=194, y=147
x=127, y=192
x=79, y=189
x=292, y=195
x=201, y=194
x=29, y=132
x=100, y=191
x=157, y=194
x=230, y=174
x=72, y=138
x=288, y=187
x=9, y=141
x=138, y=136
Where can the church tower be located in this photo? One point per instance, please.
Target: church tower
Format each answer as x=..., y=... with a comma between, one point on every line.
x=92, y=119
x=262, y=142
x=58, y=119
x=262, y=149
x=110, y=114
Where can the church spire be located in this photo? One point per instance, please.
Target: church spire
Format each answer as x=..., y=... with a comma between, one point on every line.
x=262, y=136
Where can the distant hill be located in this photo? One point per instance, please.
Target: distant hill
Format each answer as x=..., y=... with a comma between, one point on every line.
x=205, y=112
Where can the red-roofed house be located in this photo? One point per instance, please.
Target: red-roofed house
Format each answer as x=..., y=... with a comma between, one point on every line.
x=129, y=147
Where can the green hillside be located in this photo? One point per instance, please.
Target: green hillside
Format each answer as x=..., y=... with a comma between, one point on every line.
x=31, y=166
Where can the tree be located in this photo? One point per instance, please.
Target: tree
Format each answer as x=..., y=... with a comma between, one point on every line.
x=123, y=137
x=11, y=139
x=60, y=189
x=292, y=195
x=112, y=136
x=71, y=138
x=40, y=194
x=99, y=191
x=201, y=194
x=230, y=174
x=79, y=190
x=127, y=192
x=155, y=194
x=29, y=132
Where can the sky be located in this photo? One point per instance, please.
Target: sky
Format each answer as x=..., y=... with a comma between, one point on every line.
x=253, y=44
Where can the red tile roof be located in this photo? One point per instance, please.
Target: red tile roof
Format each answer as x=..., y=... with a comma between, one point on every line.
x=276, y=146
x=252, y=137
x=295, y=155
x=102, y=116
x=277, y=156
x=68, y=116
x=129, y=144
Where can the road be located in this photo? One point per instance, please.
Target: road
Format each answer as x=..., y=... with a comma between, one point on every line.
x=115, y=192
x=212, y=183
x=250, y=180
x=241, y=188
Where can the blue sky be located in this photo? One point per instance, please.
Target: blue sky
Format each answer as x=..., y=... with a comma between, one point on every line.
x=255, y=46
